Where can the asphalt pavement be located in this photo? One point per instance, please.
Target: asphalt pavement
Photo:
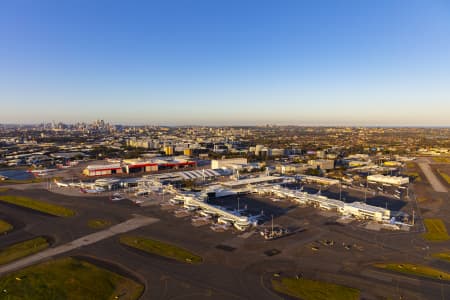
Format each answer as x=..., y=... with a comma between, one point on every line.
x=131, y=224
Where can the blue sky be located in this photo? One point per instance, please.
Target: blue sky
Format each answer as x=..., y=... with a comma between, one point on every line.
x=226, y=62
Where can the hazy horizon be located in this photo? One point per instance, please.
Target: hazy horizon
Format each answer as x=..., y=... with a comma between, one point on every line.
x=236, y=125
x=318, y=63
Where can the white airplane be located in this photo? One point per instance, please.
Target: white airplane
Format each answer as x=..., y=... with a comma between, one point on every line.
x=60, y=184
x=201, y=219
x=220, y=227
x=83, y=185
x=191, y=207
x=92, y=191
x=141, y=193
x=224, y=221
x=206, y=213
x=41, y=172
x=176, y=201
x=117, y=197
x=254, y=219
x=138, y=202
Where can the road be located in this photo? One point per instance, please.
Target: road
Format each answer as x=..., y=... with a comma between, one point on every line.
x=431, y=177
x=131, y=224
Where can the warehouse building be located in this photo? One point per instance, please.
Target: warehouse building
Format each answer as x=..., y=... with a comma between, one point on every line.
x=393, y=180
x=319, y=180
x=231, y=163
x=134, y=166
x=291, y=168
x=323, y=164
x=103, y=170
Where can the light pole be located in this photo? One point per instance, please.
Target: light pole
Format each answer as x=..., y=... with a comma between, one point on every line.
x=272, y=225
x=365, y=191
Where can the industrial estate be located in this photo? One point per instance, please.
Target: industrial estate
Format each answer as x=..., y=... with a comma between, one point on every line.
x=264, y=212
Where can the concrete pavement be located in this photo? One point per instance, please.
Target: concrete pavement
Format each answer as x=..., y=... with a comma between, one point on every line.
x=431, y=177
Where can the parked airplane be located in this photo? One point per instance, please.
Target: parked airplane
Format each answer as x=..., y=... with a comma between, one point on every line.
x=220, y=227
x=177, y=200
x=254, y=219
x=117, y=197
x=202, y=218
x=60, y=184
x=42, y=172
x=206, y=213
x=92, y=191
x=138, y=202
x=224, y=220
x=141, y=193
x=191, y=207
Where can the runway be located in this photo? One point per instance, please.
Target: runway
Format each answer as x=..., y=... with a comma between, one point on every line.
x=431, y=177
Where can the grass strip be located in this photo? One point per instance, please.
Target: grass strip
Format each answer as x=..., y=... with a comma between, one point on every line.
x=417, y=270
x=29, y=180
x=436, y=230
x=51, y=209
x=444, y=160
x=160, y=248
x=70, y=279
x=414, y=176
x=22, y=249
x=314, y=290
x=5, y=226
x=442, y=256
x=445, y=176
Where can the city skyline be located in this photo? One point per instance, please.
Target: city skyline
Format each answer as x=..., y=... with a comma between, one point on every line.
x=233, y=63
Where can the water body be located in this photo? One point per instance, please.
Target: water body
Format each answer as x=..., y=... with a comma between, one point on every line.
x=16, y=174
